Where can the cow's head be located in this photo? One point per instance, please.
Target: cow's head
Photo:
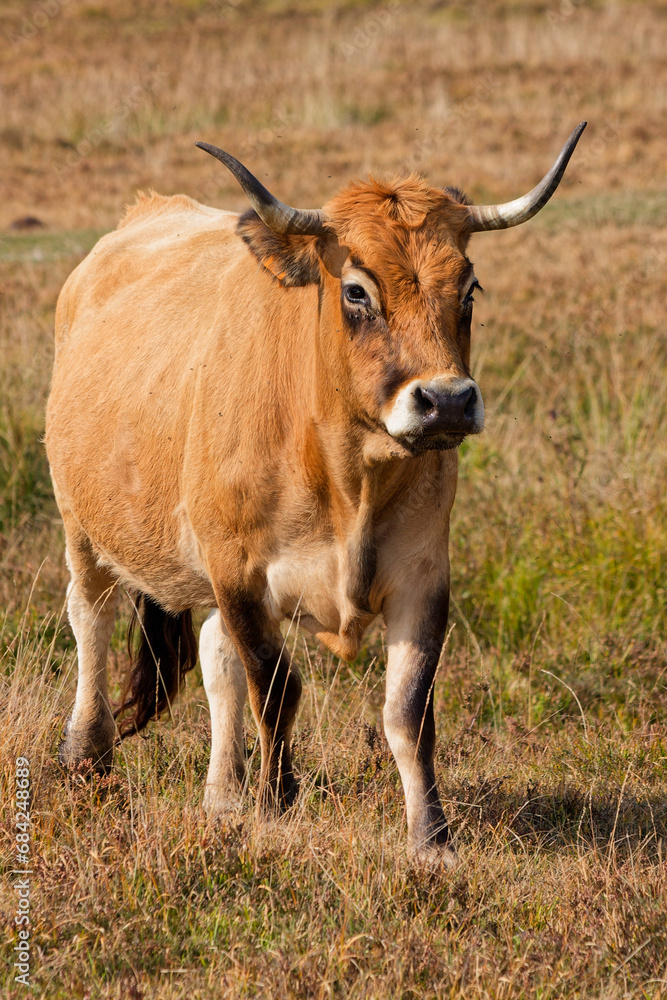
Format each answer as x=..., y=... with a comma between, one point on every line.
x=396, y=291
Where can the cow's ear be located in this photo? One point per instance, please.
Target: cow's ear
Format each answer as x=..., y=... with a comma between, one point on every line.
x=458, y=195
x=292, y=260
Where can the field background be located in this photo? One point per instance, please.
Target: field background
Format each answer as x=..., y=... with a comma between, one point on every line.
x=552, y=695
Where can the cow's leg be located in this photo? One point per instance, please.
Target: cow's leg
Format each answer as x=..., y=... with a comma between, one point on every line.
x=92, y=597
x=226, y=690
x=274, y=688
x=415, y=633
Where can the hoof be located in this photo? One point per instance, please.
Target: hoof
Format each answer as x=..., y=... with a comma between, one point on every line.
x=83, y=755
x=274, y=802
x=222, y=804
x=434, y=857
x=289, y=793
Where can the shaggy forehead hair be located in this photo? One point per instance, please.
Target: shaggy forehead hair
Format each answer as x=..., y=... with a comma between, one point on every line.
x=396, y=204
x=402, y=221
x=411, y=236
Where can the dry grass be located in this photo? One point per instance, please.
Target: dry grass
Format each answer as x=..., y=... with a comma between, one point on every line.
x=552, y=701
x=560, y=891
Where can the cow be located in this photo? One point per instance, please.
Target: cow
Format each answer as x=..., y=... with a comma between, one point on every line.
x=259, y=415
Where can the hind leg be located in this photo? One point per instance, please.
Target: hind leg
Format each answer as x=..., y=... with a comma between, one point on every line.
x=92, y=597
x=226, y=689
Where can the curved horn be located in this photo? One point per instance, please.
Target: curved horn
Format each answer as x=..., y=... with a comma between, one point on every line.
x=280, y=218
x=513, y=213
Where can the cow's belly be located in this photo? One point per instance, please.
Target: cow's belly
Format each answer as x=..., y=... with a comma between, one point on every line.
x=148, y=548
x=174, y=584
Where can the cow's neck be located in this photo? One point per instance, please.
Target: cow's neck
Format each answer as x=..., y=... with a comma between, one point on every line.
x=358, y=511
x=365, y=474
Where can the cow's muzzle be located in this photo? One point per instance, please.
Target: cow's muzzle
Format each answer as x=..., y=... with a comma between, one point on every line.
x=437, y=413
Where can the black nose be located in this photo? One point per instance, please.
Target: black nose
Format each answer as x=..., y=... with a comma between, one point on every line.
x=446, y=412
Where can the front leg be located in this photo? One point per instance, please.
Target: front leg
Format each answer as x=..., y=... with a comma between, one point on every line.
x=416, y=619
x=274, y=689
x=225, y=684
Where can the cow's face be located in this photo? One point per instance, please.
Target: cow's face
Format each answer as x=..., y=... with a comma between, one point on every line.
x=405, y=289
x=396, y=296
x=396, y=291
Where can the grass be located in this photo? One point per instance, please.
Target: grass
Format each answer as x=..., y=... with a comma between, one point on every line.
x=47, y=247
x=561, y=835
x=552, y=696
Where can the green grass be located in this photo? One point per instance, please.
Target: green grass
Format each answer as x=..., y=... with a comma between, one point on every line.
x=25, y=486
x=622, y=209
x=44, y=246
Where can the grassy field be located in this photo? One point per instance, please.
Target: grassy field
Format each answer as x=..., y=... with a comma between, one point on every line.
x=552, y=695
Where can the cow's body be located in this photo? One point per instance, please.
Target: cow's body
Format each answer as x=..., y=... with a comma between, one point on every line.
x=253, y=442
x=266, y=425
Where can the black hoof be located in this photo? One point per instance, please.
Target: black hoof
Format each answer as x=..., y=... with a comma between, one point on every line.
x=279, y=797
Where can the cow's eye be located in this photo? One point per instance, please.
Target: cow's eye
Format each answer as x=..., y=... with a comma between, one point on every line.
x=470, y=298
x=355, y=293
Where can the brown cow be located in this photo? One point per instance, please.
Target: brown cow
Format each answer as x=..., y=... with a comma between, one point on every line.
x=260, y=414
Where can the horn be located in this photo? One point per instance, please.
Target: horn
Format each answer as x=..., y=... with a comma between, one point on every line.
x=513, y=213
x=280, y=218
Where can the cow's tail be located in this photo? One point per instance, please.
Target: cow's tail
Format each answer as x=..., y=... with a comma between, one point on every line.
x=162, y=648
